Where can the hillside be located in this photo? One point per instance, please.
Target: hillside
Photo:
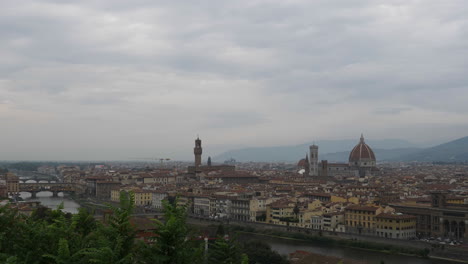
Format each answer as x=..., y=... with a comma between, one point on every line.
x=336, y=150
x=453, y=151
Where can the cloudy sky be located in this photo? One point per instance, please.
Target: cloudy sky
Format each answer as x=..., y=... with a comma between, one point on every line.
x=122, y=79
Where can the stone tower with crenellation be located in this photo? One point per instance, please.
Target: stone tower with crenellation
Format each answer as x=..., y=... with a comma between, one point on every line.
x=198, y=152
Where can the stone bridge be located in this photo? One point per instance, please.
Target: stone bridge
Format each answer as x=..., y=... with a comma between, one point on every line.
x=55, y=188
x=34, y=175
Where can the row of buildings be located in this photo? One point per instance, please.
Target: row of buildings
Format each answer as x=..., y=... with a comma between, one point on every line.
x=9, y=184
x=399, y=201
x=317, y=211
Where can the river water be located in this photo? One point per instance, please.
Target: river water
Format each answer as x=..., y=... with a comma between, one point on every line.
x=47, y=200
x=286, y=246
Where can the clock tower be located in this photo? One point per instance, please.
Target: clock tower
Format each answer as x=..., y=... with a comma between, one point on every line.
x=198, y=152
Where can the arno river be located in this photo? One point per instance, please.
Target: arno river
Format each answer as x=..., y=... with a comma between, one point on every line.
x=284, y=247
x=46, y=199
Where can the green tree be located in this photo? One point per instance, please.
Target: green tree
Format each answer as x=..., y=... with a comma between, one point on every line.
x=12, y=226
x=43, y=237
x=225, y=251
x=174, y=242
x=113, y=241
x=63, y=253
x=260, y=252
x=84, y=222
x=52, y=236
x=220, y=231
x=296, y=210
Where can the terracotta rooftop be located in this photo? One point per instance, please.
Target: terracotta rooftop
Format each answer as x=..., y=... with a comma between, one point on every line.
x=362, y=208
x=361, y=152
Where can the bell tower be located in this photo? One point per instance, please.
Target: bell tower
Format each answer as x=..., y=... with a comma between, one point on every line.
x=313, y=160
x=307, y=166
x=197, y=150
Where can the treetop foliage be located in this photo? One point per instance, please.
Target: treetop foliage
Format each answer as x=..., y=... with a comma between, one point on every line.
x=52, y=236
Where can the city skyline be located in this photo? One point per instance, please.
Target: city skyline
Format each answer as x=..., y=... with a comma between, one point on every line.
x=110, y=80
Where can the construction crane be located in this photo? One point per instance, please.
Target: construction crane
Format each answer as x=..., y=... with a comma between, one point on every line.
x=161, y=160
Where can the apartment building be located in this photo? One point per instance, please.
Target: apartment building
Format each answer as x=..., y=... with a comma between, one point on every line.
x=397, y=226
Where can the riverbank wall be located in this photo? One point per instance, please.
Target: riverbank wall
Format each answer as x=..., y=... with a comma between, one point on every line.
x=361, y=241
x=397, y=245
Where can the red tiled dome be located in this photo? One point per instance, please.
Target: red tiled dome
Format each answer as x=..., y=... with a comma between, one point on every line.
x=301, y=163
x=361, y=152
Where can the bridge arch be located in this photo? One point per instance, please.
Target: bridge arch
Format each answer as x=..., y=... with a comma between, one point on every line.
x=55, y=188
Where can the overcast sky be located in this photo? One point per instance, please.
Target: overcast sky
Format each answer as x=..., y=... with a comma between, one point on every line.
x=123, y=79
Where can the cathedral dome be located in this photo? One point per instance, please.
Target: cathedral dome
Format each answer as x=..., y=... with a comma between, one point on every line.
x=362, y=154
x=301, y=163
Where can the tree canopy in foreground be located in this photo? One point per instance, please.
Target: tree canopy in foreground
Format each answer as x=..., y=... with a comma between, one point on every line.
x=52, y=236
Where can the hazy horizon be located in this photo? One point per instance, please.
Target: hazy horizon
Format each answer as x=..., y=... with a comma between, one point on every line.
x=110, y=80
x=213, y=151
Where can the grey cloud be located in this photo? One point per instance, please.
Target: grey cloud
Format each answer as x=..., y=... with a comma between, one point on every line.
x=391, y=111
x=227, y=120
x=174, y=68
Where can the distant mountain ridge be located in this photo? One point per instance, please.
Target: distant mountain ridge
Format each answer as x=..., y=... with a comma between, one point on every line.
x=453, y=151
x=338, y=151
x=328, y=149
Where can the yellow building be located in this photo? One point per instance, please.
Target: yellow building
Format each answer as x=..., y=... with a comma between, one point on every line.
x=280, y=211
x=258, y=208
x=185, y=199
x=283, y=213
x=12, y=183
x=314, y=205
x=161, y=178
x=455, y=200
x=306, y=217
x=361, y=219
x=397, y=226
x=143, y=197
x=338, y=199
x=115, y=194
